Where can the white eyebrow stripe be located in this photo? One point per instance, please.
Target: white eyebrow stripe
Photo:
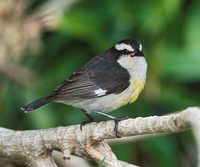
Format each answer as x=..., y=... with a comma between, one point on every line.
x=140, y=48
x=124, y=46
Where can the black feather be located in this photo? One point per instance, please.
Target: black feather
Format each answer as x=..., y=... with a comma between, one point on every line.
x=36, y=104
x=101, y=72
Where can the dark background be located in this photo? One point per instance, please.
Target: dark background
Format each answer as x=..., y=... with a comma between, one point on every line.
x=169, y=31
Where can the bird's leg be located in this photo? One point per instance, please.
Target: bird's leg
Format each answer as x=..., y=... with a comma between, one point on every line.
x=90, y=119
x=116, y=120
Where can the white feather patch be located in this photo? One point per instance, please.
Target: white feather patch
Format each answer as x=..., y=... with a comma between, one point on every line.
x=124, y=46
x=100, y=92
x=136, y=66
x=140, y=47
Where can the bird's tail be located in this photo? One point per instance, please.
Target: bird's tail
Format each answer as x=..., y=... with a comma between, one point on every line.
x=36, y=104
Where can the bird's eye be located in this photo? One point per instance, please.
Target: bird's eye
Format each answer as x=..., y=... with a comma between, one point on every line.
x=126, y=51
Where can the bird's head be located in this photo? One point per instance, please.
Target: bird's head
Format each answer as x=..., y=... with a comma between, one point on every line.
x=129, y=54
x=128, y=47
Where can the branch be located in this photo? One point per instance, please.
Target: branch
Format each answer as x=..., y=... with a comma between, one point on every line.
x=35, y=146
x=48, y=15
x=24, y=76
x=25, y=31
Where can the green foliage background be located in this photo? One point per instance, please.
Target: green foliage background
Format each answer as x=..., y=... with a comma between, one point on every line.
x=169, y=31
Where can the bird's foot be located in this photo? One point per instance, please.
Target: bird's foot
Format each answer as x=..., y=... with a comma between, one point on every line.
x=85, y=123
x=117, y=120
x=90, y=119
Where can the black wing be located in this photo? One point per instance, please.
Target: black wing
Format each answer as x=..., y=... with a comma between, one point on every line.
x=102, y=72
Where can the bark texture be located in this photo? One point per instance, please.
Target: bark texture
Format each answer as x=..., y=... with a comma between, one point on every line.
x=34, y=147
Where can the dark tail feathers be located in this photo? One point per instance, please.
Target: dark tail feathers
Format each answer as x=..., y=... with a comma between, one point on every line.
x=36, y=104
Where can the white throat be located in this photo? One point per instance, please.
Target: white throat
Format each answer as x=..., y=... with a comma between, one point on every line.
x=136, y=66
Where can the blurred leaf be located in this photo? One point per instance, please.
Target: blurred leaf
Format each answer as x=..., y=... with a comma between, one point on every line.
x=183, y=67
x=164, y=149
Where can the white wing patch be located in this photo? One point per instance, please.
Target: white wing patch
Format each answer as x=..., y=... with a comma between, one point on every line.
x=140, y=48
x=100, y=92
x=124, y=46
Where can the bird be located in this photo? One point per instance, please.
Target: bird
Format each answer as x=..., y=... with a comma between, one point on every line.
x=105, y=83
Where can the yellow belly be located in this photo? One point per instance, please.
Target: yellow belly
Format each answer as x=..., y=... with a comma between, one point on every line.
x=133, y=92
